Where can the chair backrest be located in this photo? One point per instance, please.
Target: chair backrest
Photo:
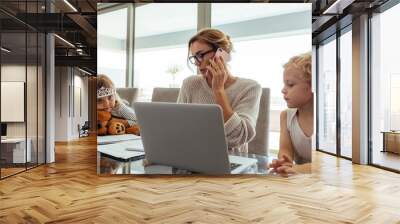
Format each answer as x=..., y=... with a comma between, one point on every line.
x=165, y=94
x=128, y=94
x=86, y=125
x=259, y=145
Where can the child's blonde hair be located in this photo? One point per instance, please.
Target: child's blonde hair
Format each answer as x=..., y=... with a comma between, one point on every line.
x=303, y=63
x=104, y=81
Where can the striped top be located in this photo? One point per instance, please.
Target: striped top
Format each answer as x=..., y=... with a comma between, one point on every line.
x=244, y=97
x=125, y=112
x=301, y=143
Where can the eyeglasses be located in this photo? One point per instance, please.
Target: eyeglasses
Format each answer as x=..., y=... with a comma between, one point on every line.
x=198, y=58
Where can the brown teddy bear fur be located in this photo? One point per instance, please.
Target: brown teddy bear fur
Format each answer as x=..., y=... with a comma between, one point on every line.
x=116, y=128
x=108, y=125
x=103, y=116
x=102, y=128
x=133, y=130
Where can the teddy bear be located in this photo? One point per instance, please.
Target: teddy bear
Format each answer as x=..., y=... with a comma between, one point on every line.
x=106, y=124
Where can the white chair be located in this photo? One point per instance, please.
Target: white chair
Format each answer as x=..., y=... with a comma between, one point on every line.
x=259, y=145
x=128, y=94
x=165, y=95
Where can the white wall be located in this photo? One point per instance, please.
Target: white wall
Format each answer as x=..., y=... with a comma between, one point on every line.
x=14, y=73
x=69, y=85
x=61, y=104
x=79, y=117
x=17, y=73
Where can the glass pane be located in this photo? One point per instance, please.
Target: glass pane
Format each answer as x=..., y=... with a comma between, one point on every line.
x=41, y=99
x=327, y=97
x=252, y=57
x=32, y=96
x=346, y=94
x=13, y=72
x=386, y=89
x=111, y=42
x=161, y=38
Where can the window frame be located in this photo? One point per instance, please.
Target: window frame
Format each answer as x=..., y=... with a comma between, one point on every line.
x=379, y=10
x=129, y=41
x=333, y=37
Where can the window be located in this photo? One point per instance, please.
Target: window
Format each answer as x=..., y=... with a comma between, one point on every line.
x=160, y=56
x=385, y=84
x=112, y=42
x=346, y=94
x=161, y=37
x=333, y=106
x=23, y=93
x=252, y=57
x=327, y=96
x=394, y=101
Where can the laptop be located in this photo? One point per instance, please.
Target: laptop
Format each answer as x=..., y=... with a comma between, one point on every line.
x=187, y=136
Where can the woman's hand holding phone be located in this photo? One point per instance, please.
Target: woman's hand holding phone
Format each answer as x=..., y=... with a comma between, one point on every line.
x=220, y=75
x=217, y=67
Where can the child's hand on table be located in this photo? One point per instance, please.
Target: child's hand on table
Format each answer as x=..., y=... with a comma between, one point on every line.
x=282, y=166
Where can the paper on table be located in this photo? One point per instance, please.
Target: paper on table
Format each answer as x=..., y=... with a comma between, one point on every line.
x=108, y=139
x=119, y=149
x=135, y=145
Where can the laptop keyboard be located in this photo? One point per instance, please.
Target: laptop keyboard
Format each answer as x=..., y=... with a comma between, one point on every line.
x=234, y=165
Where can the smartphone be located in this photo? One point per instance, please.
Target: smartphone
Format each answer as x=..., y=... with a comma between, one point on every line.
x=224, y=54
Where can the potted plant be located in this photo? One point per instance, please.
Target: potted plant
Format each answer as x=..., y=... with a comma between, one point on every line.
x=173, y=70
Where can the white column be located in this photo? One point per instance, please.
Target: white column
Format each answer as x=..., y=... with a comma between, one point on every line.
x=130, y=45
x=314, y=90
x=360, y=90
x=50, y=98
x=204, y=15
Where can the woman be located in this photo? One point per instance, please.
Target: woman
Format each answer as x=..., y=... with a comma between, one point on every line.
x=239, y=98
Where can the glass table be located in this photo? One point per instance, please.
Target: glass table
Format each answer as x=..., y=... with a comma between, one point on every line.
x=114, y=158
x=109, y=163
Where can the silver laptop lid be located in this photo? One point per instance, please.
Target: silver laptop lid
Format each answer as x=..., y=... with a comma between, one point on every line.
x=186, y=136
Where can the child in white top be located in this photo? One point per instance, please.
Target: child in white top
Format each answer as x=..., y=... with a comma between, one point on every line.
x=297, y=121
x=109, y=100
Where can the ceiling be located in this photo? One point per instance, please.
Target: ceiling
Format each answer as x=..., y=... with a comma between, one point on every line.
x=72, y=20
x=328, y=16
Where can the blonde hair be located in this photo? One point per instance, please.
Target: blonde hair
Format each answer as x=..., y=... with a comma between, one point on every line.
x=213, y=37
x=303, y=63
x=105, y=81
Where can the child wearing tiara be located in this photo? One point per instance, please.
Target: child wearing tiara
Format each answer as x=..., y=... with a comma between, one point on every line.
x=109, y=101
x=296, y=123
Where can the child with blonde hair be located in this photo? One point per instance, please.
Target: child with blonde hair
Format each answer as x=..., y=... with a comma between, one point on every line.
x=296, y=122
x=108, y=100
